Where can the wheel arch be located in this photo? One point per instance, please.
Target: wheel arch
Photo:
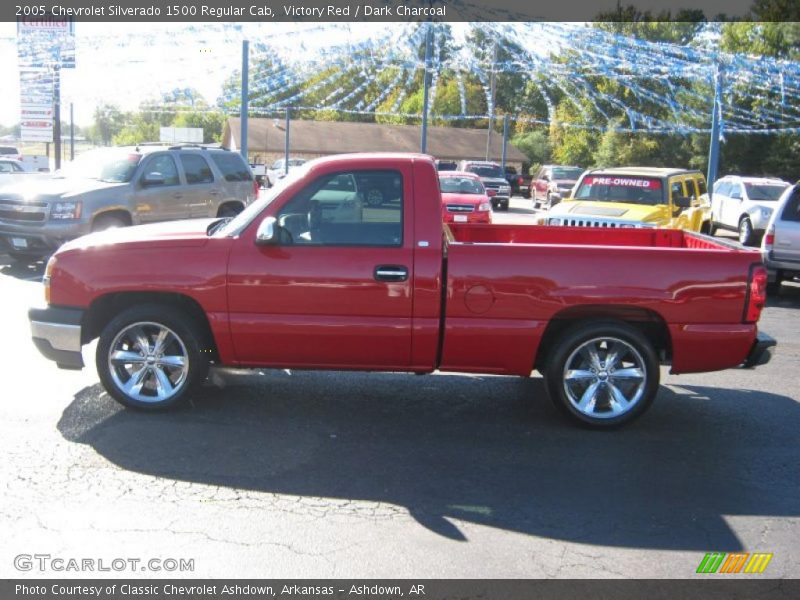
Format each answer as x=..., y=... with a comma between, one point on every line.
x=104, y=308
x=651, y=324
x=120, y=213
x=236, y=204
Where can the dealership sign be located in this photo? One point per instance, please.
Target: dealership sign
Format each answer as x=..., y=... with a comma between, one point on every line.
x=44, y=45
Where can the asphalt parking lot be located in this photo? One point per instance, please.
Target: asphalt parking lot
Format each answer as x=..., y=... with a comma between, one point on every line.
x=313, y=474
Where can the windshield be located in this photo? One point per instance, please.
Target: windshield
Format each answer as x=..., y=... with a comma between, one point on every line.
x=112, y=166
x=613, y=188
x=567, y=173
x=486, y=171
x=236, y=225
x=765, y=191
x=460, y=185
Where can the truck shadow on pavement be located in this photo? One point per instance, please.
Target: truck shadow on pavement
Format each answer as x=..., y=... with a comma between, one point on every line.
x=486, y=450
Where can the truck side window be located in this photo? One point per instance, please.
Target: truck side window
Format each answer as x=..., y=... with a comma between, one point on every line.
x=354, y=208
x=792, y=210
x=166, y=166
x=196, y=169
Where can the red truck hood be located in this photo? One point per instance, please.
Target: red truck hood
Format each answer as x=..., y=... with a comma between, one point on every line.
x=188, y=233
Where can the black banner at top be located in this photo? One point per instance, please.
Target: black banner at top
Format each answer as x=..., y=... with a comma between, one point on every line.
x=363, y=10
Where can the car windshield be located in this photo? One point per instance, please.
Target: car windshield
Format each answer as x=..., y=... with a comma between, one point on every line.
x=567, y=173
x=616, y=188
x=460, y=185
x=765, y=191
x=112, y=166
x=486, y=171
x=238, y=223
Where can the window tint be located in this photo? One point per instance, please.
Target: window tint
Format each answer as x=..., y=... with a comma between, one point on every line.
x=196, y=169
x=676, y=189
x=165, y=166
x=792, y=210
x=8, y=150
x=701, y=186
x=736, y=191
x=722, y=188
x=231, y=166
x=356, y=208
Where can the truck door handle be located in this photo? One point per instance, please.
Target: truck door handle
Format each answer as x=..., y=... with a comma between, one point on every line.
x=391, y=273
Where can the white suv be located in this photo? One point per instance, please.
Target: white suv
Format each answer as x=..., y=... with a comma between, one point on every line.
x=745, y=204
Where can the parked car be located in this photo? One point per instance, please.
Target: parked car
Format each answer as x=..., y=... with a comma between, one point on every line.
x=635, y=197
x=744, y=205
x=551, y=184
x=285, y=285
x=10, y=152
x=12, y=170
x=116, y=187
x=493, y=179
x=446, y=165
x=278, y=169
x=464, y=198
x=780, y=247
x=519, y=182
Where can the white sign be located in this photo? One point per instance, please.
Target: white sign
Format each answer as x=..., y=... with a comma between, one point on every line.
x=181, y=135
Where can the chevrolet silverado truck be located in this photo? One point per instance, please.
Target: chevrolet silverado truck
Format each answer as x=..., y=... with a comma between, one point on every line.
x=635, y=197
x=312, y=277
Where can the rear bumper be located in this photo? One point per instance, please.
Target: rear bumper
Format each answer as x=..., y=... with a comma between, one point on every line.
x=56, y=332
x=761, y=352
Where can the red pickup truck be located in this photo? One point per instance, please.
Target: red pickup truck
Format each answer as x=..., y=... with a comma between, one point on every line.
x=312, y=277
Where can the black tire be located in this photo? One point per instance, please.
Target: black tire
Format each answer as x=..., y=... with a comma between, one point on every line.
x=635, y=349
x=375, y=197
x=229, y=210
x=746, y=235
x=774, y=287
x=187, y=342
x=705, y=228
x=503, y=205
x=104, y=222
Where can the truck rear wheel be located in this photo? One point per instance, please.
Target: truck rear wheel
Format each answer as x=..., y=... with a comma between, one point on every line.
x=150, y=357
x=602, y=374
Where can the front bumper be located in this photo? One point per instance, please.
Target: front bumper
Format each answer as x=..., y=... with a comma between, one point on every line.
x=761, y=352
x=41, y=239
x=56, y=332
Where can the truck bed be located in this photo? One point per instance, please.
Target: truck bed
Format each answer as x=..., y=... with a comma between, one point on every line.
x=506, y=284
x=585, y=236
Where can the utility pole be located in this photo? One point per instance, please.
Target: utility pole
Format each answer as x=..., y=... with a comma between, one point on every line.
x=491, y=102
x=426, y=89
x=716, y=126
x=286, y=142
x=245, y=93
x=71, y=133
x=505, y=141
x=57, y=115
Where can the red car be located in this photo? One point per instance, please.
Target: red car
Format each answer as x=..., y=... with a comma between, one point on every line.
x=311, y=277
x=464, y=199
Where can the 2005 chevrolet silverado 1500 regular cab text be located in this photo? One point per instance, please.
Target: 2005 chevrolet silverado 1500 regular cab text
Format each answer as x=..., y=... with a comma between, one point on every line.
x=313, y=277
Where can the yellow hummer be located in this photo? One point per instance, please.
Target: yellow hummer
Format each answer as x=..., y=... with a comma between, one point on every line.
x=635, y=197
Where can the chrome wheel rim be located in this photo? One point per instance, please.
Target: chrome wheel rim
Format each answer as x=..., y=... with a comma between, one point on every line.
x=148, y=362
x=744, y=231
x=604, y=378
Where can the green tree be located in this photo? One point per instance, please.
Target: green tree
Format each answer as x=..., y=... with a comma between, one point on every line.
x=108, y=122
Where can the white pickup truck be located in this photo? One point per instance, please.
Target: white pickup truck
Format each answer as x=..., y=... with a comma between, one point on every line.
x=12, y=171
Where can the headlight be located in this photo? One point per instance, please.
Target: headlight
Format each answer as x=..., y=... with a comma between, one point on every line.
x=484, y=207
x=66, y=210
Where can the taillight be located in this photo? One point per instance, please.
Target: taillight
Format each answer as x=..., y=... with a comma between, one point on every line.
x=520, y=181
x=756, y=294
x=256, y=188
x=769, y=238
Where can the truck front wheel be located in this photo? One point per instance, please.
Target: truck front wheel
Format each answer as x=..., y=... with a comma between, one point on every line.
x=602, y=374
x=149, y=357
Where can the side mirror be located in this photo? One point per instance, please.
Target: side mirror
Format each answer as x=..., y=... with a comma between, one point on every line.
x=153, y=178
x=266, y=232
x=683, y=201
